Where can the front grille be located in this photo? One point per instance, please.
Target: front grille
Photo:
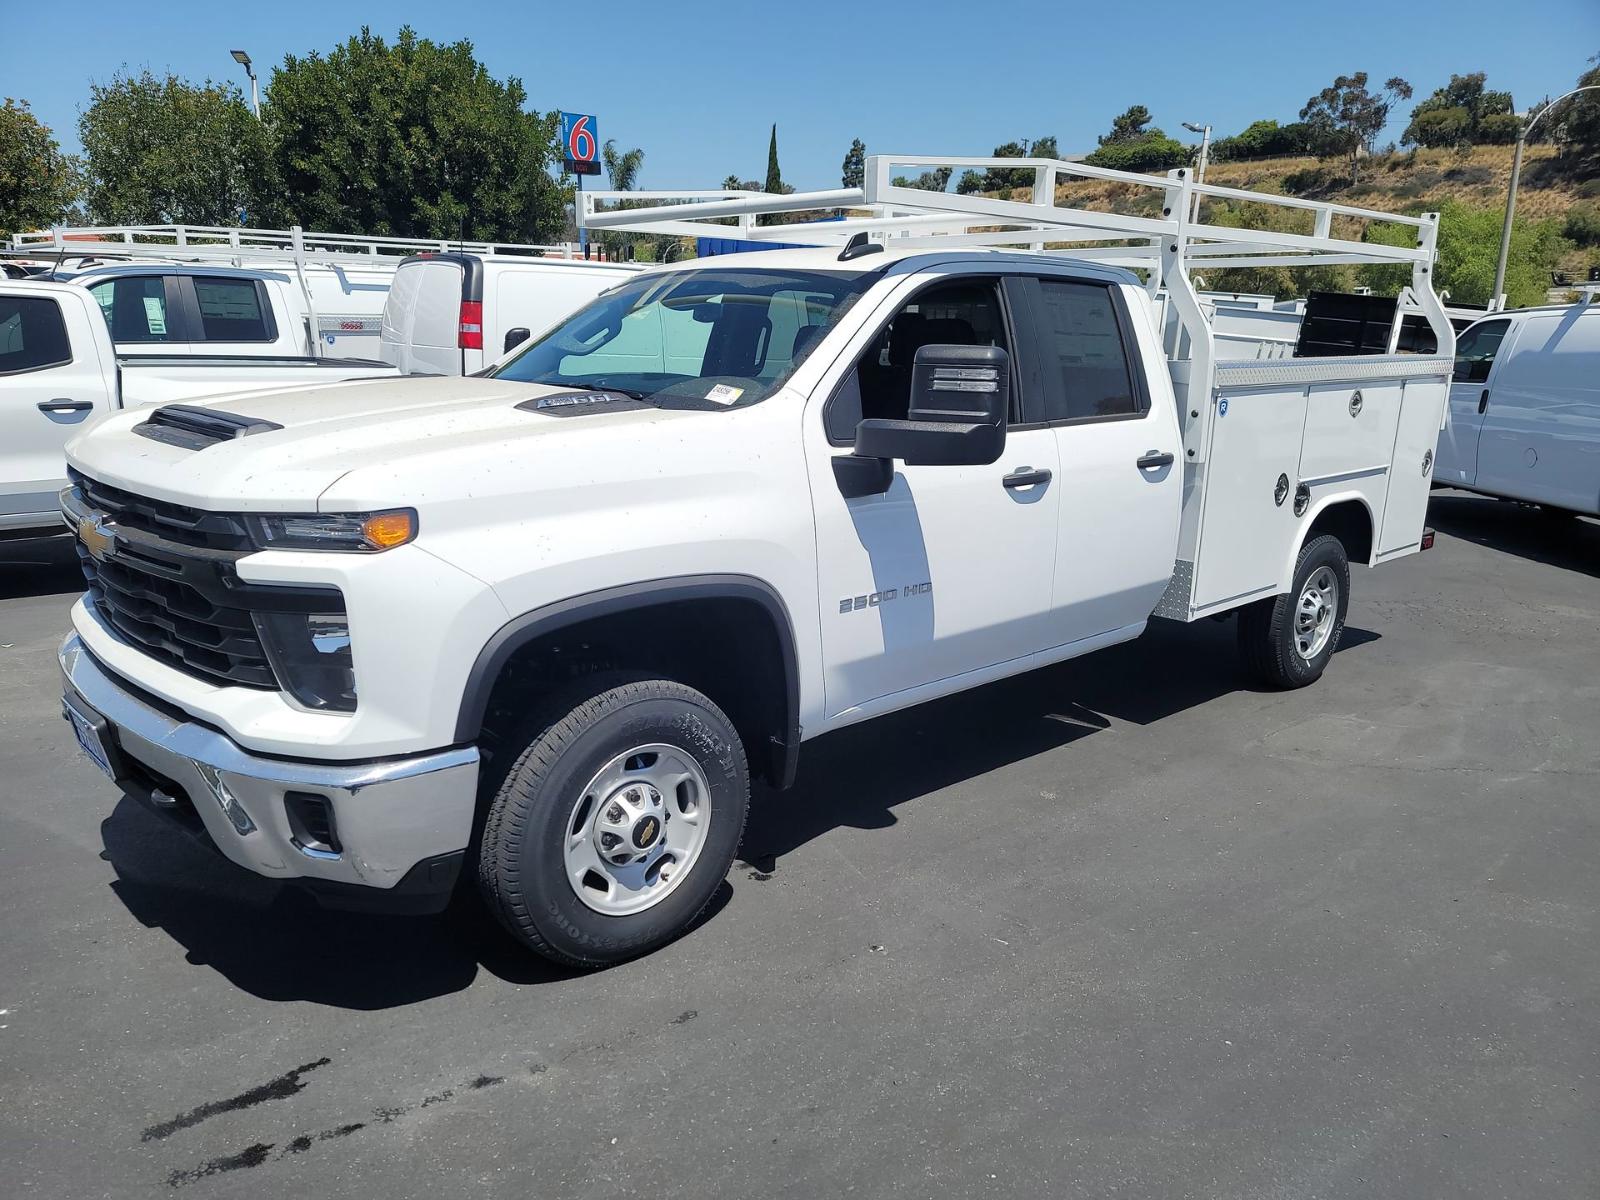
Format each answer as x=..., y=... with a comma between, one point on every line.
x=172, y=522
x=153, y=601
x=169, y=586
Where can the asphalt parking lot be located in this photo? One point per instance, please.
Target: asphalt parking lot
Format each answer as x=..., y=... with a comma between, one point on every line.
x=1121, y=927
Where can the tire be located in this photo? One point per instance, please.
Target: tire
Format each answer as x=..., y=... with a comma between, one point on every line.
x=554, y=808
x=1276, y=647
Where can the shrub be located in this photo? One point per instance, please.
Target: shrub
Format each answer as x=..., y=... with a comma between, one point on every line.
x=1583, y=224
x=1471, y=174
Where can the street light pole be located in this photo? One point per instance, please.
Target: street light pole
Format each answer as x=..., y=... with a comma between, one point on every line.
x=1200, y=167
x=1511, y=191
x=243, y=59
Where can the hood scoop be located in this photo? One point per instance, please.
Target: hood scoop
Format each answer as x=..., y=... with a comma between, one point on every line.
x=193, y=428
x=582, y=403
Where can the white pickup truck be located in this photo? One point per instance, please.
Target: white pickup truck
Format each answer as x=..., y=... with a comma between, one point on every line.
x=542, y=625
x=58, y=369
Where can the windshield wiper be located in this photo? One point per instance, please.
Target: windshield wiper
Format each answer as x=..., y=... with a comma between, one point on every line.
x=630, y=393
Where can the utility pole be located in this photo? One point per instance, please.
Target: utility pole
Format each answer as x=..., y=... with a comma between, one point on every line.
x=243, y=59
x=1497, y=300
x=1200, y=167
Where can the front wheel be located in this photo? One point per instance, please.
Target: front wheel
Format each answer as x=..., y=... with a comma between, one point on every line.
x=1286, y=641
x=617, y=822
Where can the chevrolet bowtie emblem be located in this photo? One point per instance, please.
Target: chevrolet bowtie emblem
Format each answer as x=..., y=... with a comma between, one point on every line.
x=98, y=538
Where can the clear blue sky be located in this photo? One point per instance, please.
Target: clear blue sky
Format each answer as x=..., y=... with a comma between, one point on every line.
x=697, y=85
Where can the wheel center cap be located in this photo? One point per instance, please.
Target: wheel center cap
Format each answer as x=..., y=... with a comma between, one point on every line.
x=645, y=831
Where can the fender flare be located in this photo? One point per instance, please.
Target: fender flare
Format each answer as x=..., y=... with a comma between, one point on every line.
x=522, y=630
x=1311, y=518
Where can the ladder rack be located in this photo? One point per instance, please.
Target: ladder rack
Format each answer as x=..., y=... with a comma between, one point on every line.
x=906, y=216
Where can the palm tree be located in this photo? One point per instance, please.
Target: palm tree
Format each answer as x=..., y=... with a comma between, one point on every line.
x=622, y=166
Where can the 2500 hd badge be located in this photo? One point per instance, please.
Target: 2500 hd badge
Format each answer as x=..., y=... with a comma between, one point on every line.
x=874, y=599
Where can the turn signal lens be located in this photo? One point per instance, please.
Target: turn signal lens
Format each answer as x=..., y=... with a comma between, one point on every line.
x=386, y=530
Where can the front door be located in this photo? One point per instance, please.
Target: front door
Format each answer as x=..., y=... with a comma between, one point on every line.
x=1469, y=397
x=950, y=570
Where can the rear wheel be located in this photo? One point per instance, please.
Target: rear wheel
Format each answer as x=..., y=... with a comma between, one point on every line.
x=617, y=822
x=1286, y=641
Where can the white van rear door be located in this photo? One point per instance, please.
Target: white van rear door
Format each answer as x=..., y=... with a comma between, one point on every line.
x=1541, y=430
x=422, y=319
x=535, y=297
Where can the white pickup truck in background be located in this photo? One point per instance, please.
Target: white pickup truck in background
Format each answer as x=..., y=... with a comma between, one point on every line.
x=541, y=626
x=59, y=369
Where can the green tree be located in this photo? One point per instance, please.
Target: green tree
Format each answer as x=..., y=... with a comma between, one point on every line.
x=622, y=166
x=855, y=165
x=929, y=181
x=1263, y=139
x=413, y=139
x=1456, y=114
x=1346, y=118
x=970, y=183
x=1468, y=246
x=165, y=150
x=1580, y=124
x=1134, y=145
x=38, y=184
x=1284, y=282
x=734, y=184
x=774, y=176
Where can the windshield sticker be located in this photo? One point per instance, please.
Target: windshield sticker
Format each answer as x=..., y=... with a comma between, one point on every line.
x=724, y=394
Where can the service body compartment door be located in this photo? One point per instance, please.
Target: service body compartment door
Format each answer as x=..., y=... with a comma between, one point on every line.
x=1411, y=475
x=1349, y=430
x=1254, y=457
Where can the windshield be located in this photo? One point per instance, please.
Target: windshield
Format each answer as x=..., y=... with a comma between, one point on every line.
x=706, y=338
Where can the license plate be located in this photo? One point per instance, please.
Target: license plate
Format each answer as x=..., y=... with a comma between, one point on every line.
x=91, y=733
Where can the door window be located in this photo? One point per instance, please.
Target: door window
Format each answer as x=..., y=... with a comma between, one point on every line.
x=135, y=308
x=1083, y=353
x=232, y=310
x=964, y=312
x=32, y=335
x=1476, y=348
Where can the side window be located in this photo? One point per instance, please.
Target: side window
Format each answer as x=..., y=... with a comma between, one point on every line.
x=135, y=308
x=232, y=310
x=1082, y=352
x=1476, y=348
x=32, y=335
x=964, y=312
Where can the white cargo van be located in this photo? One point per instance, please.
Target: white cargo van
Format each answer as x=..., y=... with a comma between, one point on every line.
x=1525, y=409
x=455, y=313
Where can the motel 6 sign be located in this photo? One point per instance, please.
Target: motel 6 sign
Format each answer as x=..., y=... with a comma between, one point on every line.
x=580, y=142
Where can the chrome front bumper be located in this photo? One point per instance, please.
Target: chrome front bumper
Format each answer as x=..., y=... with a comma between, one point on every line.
x=402, y=823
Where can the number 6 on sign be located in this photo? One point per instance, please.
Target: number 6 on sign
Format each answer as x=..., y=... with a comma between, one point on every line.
x=580, y=141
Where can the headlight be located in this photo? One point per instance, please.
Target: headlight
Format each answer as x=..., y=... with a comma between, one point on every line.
x=335, y=531
x=310, y=655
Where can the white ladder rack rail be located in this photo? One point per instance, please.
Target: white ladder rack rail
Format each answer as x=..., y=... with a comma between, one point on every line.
x=1167, y=247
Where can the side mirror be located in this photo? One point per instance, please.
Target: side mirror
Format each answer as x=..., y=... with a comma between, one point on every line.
x=514, y=338
x=959, y=399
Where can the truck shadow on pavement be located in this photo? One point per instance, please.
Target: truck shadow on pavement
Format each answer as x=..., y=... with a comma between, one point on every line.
x=897, y=758
x=274, y=942
x=39, y=567
x=1571, y=543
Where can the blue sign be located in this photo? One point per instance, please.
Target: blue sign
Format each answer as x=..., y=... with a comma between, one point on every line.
x=580, y=143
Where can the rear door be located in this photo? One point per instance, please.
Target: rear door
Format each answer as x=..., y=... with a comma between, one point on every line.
x=422, y=319
x=52, y=380
x=1476, y=350
x=1541, y=430
x=535, y=296
x=236, y=316
x=1119, y=484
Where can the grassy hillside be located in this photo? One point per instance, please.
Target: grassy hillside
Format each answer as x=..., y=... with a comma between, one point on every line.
x=1469, y=188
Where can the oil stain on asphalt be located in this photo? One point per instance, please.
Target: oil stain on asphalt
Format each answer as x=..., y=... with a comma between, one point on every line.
x=281, y=1088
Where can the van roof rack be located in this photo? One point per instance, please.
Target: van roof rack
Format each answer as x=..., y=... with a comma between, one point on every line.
x=219, y=243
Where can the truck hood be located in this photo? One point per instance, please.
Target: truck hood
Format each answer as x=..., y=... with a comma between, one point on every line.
x=388, y=427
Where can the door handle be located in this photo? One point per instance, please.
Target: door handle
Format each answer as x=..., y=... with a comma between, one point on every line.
x=1483, y=401
x=61, y=407
x=1027, y=477
x=1151, y=459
